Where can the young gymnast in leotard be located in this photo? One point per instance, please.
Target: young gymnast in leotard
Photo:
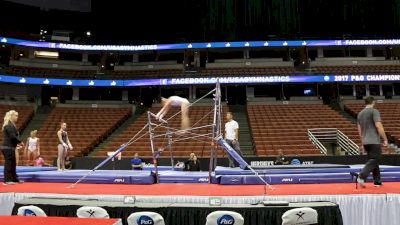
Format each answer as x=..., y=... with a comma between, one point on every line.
x=176, y=101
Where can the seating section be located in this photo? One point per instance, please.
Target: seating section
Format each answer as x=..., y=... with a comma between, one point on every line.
x=154, y=73
x=389, y=114
x=285, y=127
x=184, y=144
x=25, y=114
x=49, y=73
x=346, y=70
x=86, y=128
x=220, y=72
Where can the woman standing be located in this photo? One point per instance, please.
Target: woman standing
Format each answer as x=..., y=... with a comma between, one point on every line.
x=63, y=146
x=32, y=149
x=11, y=142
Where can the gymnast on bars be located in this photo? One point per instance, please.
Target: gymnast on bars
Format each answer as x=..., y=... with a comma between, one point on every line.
x=176, y=101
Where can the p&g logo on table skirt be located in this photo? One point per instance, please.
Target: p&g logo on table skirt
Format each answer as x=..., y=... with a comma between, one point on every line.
x=29, y=212
x=145, y=220
x=226, y=220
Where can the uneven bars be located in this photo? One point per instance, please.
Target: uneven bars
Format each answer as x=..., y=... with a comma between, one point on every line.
x=158, y=118
x=177, y=130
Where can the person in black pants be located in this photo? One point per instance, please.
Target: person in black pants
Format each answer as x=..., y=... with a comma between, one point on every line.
x=11, y=142
x=371, y=131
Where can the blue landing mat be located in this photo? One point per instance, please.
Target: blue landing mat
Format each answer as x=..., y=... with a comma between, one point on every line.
x=162, y=168
x=237, y=176
x=23, y=169
x=97, y=177
x=309, y=166
x=219, y=170
x=185, y=177
x=302, y=178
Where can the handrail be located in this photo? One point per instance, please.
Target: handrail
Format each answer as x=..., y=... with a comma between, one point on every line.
x=318, y=135
x=316, y=142
x=347, y=144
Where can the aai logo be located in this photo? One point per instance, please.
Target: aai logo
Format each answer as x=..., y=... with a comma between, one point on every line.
x=145, y=220
x=119, y=180
x=29, y=212
x=226, y=220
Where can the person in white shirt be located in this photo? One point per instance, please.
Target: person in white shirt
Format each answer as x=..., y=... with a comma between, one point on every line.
x=32, y=149
x=176, y=101
x=232, y=136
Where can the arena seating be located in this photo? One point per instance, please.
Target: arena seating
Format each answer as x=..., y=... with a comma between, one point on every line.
x=389, y=114
x=285, y=127
x=346, y=70
x=221, y=72
x=201, y=146
x=50, y=73
x=25, y=114
x=86, y=128
x=151, y=73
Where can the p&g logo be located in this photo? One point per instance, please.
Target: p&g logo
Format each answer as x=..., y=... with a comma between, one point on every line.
x=226, y=220
x=145, y=220
x=29, y=212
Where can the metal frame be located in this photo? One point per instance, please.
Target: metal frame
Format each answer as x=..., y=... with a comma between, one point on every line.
x=152, y=125
x=216, y=131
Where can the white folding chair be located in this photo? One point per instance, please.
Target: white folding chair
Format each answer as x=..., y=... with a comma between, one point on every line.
x=224, y=218
x=145, y=218
x=31, y=210
x=297, y=216
x=91, y=212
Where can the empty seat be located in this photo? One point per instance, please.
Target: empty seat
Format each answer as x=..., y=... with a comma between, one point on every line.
x=297, y=216
x=224, y=217
x=91, y=212
x=139, y=218
x=31, y=210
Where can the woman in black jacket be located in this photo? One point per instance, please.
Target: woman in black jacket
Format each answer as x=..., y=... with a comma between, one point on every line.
x=11, y=141
x=194, y=164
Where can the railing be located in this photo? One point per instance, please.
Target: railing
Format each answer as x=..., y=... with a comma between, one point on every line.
x=347, y=144
x=319, y=135
x=316, y=142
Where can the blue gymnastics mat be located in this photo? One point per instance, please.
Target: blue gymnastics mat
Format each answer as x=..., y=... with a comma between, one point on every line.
x=23, y=169
x=219, y=170
x=162, y=168
x=302, y=175
x=97, y=177
x=185, y=177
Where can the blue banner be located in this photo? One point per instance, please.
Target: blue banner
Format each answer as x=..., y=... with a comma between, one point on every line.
x=201, y=80
x=204, y=45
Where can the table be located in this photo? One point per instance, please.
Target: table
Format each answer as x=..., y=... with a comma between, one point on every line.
x=35, y=220
x=184, y=213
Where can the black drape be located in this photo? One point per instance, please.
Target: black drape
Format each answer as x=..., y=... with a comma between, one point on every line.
x=327, y=215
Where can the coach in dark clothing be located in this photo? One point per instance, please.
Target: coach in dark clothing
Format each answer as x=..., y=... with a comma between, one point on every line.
x=194, y=164
x=370, y=129
x=10, y=142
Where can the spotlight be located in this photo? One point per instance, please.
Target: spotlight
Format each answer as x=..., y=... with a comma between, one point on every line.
x=21, y=54
x=88, y=33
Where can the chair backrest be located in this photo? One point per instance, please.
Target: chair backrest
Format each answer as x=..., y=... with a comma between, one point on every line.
x=224, y=218
x=31, y=210
x=145, y=218
x=300, y=216
x=91, y=212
